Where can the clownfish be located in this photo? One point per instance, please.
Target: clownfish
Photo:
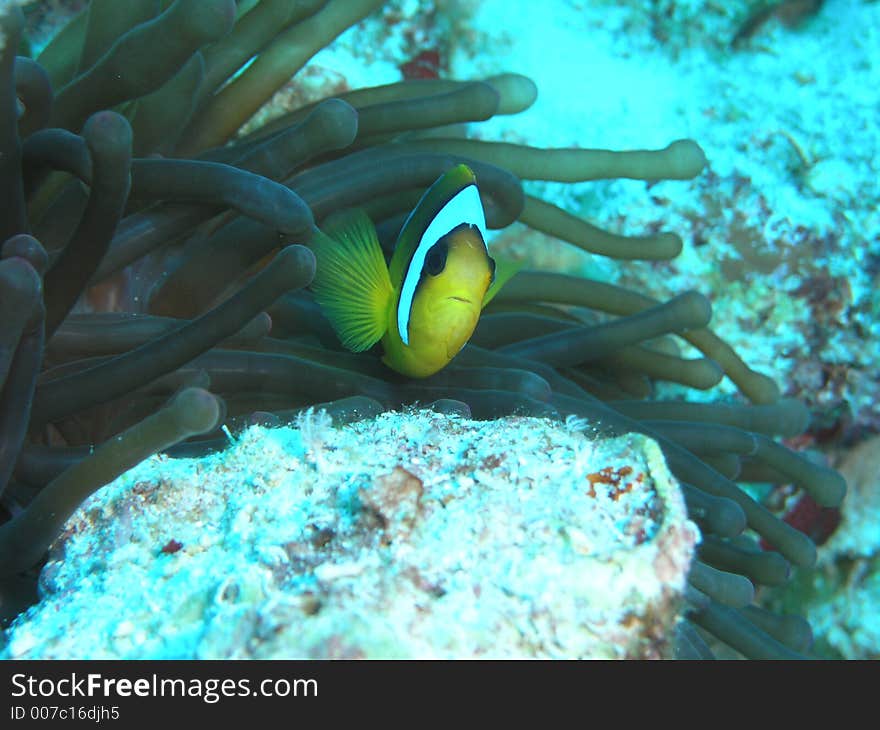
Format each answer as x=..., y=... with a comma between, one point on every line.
x=424, y=304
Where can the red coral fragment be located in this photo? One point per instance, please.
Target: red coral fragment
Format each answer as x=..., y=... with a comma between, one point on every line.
x=426, y=65
x=171, y=547
x=808, y=516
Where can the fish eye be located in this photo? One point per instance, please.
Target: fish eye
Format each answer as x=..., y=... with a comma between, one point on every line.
x=435, y=260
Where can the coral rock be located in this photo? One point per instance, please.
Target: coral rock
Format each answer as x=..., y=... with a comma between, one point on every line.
x=413, y=534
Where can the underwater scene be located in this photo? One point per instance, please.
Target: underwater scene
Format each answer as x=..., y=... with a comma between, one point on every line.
x=439, y=329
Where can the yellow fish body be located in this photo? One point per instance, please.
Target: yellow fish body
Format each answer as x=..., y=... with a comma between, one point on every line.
x=424, y=304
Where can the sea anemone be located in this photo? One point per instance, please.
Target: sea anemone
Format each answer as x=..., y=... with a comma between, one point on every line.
x=150, y=247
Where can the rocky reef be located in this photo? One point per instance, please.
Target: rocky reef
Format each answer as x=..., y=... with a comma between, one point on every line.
x=408, y=535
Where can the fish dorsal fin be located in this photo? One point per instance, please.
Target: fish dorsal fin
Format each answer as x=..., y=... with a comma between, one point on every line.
x=351, y=279
x=504, y=271
x=452, y=200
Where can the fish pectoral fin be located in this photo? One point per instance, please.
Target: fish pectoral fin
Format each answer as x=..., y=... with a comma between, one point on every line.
x=351, y=281
x=504, y=270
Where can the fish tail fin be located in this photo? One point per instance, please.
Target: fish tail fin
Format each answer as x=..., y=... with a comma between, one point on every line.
x=351, y=281
x=504, y=271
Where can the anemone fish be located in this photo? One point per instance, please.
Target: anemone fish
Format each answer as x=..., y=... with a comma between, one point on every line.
x=424, y=304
